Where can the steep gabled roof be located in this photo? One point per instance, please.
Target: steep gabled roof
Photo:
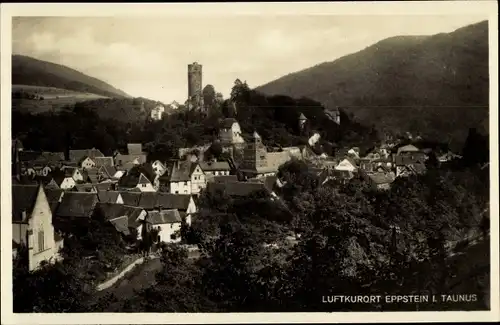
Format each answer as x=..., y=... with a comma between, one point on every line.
x=121, y=225
x=130, y=198
x=23, y=199
x=77, y=204
x=107, y=196
x=53, y=195
x=112, y=211
x=164, y=217
x=182, y=171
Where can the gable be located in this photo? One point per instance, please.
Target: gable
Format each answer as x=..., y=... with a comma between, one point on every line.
x=42, y=213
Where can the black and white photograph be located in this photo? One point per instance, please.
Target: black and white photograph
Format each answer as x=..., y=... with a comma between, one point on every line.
x=336, y=160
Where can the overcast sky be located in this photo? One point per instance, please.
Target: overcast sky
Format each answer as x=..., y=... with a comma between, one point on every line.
x=148, y=56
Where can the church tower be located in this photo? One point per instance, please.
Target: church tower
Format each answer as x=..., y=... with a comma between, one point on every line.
x=255, y=154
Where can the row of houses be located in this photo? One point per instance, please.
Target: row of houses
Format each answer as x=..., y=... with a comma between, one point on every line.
x=41, y=216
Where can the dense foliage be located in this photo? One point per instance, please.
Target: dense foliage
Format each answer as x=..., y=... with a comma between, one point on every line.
x=102, y=123
x=353, y=241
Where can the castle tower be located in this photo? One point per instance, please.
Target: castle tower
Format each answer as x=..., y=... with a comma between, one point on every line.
x=195, y=95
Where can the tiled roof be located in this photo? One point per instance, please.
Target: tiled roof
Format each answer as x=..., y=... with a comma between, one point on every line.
x=68, y=171
x=130, y=198
x=108, y=171
x=85, y=187
x=77, y=155
x=134, y=148
x=112, y=211
x=409, y=160
x=103, y=161
x=108, y=196
x=155, y=200
x=53, y=195
x=182, y=171
x=104, y=186
x=214, y=166
x=121, y=225
x=131, y=180
x=164, y=217
x=240, y=189
x=23, y=199
x=77, y=204
x=222, y=178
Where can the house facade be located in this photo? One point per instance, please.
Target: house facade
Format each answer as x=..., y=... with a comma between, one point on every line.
x=187, y=178
x=87, y=163
x=230, y=132
x=168, y=225
x=215, y=168
x=32, y=225
x=157, y=112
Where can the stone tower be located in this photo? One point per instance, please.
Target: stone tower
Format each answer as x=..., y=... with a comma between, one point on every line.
x=195, y=95
x=255, y=154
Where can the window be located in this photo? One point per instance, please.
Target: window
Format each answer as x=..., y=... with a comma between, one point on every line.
x=143, y=185
x=173, y=237
x=176, y=192
x=41, y=241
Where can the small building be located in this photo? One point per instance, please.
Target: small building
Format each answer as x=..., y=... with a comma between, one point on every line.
x=157, y=112
x=139, y=181
x=186, y=178
x=32, y=225
x=230, y=132
x=134, y=157
x=124, y=218
x=184, y=203
x=215, y=168
x=168, y=223
x=347, y=164
x=86, y=163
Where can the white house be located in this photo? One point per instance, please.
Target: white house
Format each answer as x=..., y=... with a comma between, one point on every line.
x=87, y=163
x=168, y=224
x=347, y=164
x=215, y=168
x=157, y=112
x=73, y=172
x=32, y=225
x=187, y=178
x=230, y=132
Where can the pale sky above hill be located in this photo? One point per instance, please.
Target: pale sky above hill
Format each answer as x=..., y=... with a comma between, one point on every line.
x=148, y=56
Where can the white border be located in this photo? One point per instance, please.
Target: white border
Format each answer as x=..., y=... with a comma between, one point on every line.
x=487, y=8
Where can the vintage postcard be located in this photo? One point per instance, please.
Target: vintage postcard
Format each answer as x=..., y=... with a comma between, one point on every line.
x=249, y=162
